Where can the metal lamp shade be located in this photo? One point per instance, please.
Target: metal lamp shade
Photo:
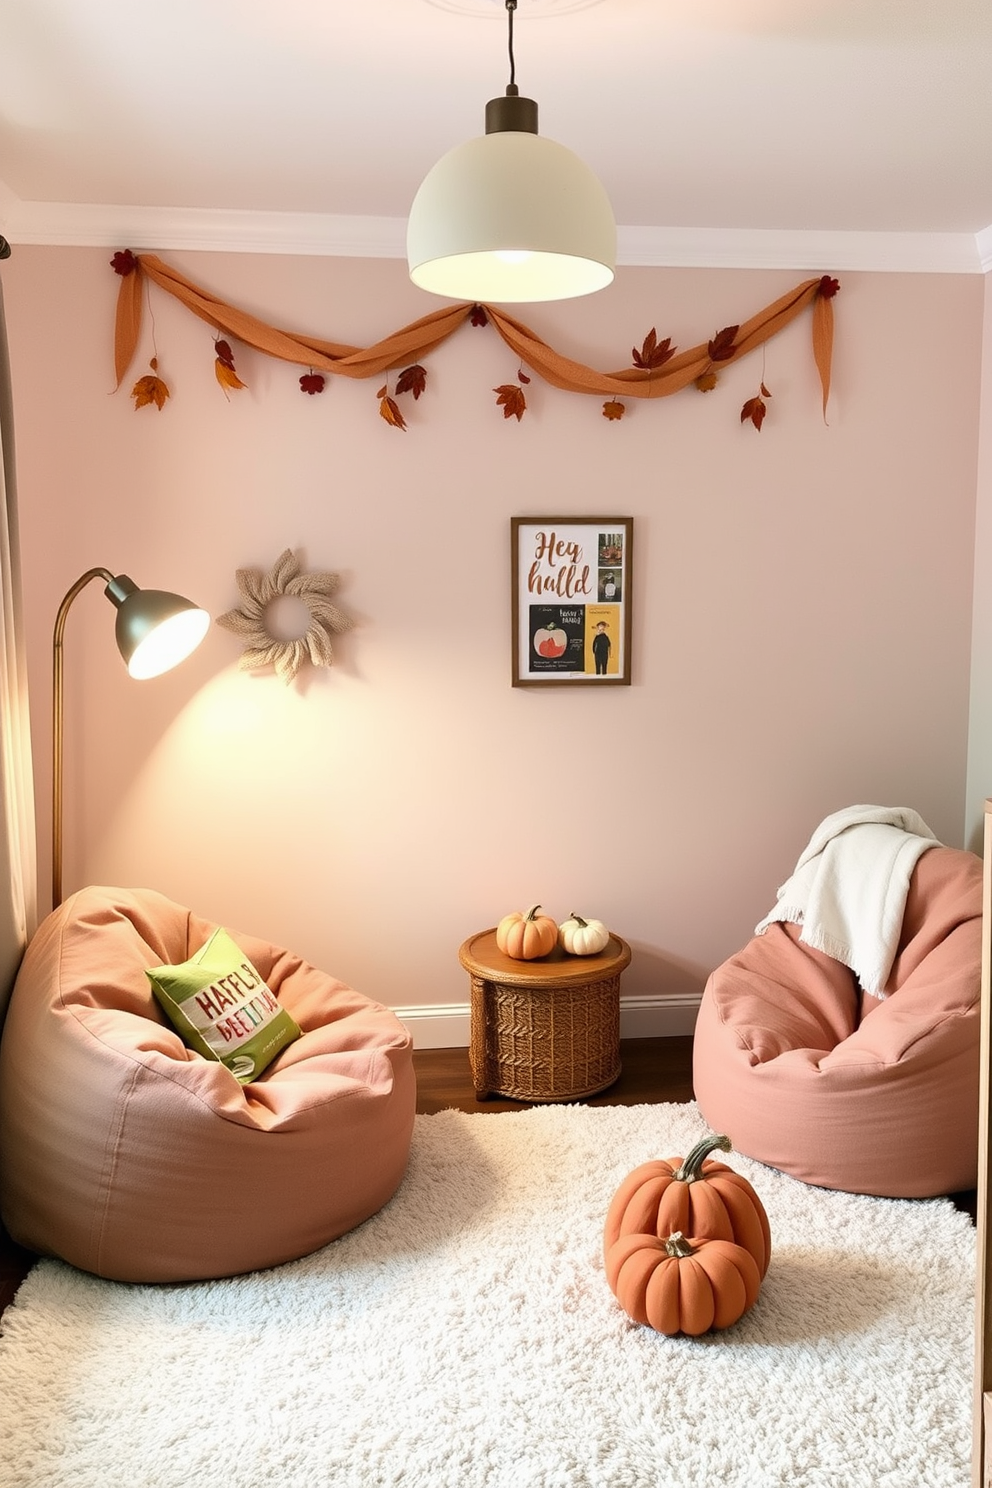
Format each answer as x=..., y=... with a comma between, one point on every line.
x=155, y=630
x=511, y=216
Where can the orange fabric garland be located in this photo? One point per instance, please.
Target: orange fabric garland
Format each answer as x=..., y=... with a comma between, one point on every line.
x=414, y=341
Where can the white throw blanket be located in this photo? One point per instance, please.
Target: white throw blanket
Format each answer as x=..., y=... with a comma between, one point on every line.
x=849, y=887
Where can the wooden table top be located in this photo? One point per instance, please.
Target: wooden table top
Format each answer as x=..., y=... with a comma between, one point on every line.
x=481, y=956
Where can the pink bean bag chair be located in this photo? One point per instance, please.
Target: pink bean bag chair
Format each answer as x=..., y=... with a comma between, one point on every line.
x=129, y=1155
x=807, y=1073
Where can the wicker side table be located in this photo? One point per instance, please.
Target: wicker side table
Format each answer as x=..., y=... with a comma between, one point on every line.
x=545, y=1030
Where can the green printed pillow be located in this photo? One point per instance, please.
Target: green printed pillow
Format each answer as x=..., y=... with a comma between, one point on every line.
x=219, y=1005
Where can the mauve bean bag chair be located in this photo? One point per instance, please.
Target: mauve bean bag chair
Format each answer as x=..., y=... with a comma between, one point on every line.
x=127, y=1154
x=807, y=1073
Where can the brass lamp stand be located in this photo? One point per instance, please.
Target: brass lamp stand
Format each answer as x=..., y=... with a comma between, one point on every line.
x=154, y=630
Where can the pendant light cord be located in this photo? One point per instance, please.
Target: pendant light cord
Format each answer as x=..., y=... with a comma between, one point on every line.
x=511, y=112
x=511, y=87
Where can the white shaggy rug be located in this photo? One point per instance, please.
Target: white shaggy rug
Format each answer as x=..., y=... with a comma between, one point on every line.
x=465, y=1337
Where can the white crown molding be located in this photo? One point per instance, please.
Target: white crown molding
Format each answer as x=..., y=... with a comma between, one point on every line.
x=448, y=1025
x=742, y=248
x=67, y=224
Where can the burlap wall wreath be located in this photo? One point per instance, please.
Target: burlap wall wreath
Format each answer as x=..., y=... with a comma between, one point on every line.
x=249, y=620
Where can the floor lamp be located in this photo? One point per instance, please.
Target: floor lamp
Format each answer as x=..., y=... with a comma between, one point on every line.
x=155, y=631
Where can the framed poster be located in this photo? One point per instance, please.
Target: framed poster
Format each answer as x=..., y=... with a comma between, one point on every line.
x=571, y=583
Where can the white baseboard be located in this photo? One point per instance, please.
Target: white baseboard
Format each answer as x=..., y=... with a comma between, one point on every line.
x=447, y=1026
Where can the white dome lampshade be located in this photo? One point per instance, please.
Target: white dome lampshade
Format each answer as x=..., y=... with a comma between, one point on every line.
x=511, y=216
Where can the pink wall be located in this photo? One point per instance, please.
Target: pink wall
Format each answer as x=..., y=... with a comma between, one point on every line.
x=980, y=714
x=801, y=626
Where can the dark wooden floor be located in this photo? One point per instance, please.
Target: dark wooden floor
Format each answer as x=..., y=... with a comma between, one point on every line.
x=654, y=1071
x=15, y=1264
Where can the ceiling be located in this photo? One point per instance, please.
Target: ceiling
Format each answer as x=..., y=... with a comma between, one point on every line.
x=862, y=117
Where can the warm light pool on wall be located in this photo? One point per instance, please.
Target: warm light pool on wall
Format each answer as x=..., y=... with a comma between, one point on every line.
x=510, y=216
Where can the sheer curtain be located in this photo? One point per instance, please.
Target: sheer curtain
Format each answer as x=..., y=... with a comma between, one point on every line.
x=18, y=876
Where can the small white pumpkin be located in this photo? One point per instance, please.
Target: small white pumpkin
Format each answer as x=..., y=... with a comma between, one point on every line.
x=581, y=937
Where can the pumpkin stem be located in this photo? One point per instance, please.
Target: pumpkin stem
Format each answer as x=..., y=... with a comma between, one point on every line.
x=532, y=912
x=678, y=1246
x=578, y=919
x=692, y=1166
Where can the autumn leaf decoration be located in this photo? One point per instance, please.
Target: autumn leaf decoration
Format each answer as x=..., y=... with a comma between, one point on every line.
x=389, y=409
x=511, y=398
x=720, y=349
x=658, y=367
x=412, y=379
x=756, y=408
x=224, y=367
x=653, y=353
x=150, y=389
x=124, y=262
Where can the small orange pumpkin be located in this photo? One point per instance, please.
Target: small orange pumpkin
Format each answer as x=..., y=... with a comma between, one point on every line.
x=682, y=1286
x=525, y=937
x=694, y=1196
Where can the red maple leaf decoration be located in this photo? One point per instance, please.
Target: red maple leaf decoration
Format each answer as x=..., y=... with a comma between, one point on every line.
x=828, y=287
x=756, y=408
x=478, y=317
x=124, y=263
x=653, y=353
x=312, y=382
x=511, y=398
x=224, y=353
x=721, y=348
x=412, y=380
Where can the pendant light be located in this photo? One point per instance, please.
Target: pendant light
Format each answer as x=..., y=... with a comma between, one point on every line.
x=510, y=216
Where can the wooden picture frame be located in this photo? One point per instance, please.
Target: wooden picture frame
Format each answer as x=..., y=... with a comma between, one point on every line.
x=571, y=583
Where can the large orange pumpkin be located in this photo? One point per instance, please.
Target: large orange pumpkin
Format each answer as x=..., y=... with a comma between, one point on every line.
x=695, y=1196
x=525, y=937
x=682, y=1286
